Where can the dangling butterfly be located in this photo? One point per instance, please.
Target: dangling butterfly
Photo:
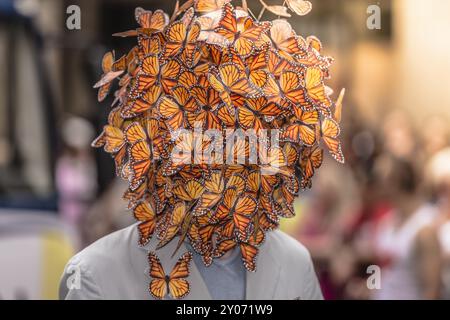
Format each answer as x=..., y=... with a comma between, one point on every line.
x=174, y=284
x=109, y=74
x=140, y=154
x=149, y=22
x=310, y=160
x=240, y=33
x=329, y=131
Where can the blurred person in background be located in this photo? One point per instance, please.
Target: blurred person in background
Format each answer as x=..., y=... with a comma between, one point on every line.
x=76, y=171
x=407, y=246
x=438, y=173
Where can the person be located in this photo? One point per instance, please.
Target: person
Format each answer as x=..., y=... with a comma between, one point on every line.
x=438, y=174
x=406, y=243
x=208, y=196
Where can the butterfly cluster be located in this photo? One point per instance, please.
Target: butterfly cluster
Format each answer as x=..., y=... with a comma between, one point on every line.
x=214, y=66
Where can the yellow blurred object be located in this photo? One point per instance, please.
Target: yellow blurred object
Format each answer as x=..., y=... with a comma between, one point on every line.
x=56, y=251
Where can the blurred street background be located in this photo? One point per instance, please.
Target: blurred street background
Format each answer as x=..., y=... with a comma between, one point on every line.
x=388, y=206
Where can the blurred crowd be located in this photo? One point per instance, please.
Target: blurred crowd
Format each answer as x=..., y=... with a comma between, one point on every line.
x=388, y=207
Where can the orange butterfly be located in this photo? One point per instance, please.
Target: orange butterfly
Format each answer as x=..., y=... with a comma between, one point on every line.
x=329, y=132
x=173, y=225
x=314, y=90
x=256, y=110
x=145, y=213
x=287, y=91
x=150, y=22
x=143, y=103
x=172, y=108
x=205, y=6
x=241, y=208
x=303, y=129
x=152, y=72
x=240, y=33
x=189, y=191
x=175, y=284
x=310, y=160
x=109, y=74
x=140, y=154
x=230, y=79
x=255, y=66
x=214, y=187
x=287, y=44
x=209, y=100
x=182, y=38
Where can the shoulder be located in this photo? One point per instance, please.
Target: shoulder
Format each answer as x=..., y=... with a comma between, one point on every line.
x=297, y=277
x=110, y=248
x=288, y=249
x=105, y=264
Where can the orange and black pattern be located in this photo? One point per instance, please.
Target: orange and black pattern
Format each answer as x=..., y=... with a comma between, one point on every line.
x=215, y=65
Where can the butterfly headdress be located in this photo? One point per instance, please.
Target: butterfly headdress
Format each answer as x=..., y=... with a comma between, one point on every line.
x=212, y=66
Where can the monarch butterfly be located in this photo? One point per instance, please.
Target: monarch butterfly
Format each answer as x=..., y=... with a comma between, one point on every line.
x=330, y=131
x=240, y=208
x=175, y=284
x=257, y=109
x=272, y=161
x=254, y=66
x=209, y=100
x=152, y=72
x=143, y=103
x=241, y=33
x=171, y=108
x=248, y=252
x=277, y=64
x=314, y=90
x=230, y=79
x=149, y=22
x=214, y=187
x=303, y=129
x=189, y=191
x=236, y=181
x=109, y=74
x=145, y=213
x=140, y=161
x=187, y=79
x=287, y=91
x=205, y=6
x=176, y=218
x=310, y=160
x=182, y=38
x=148, y=46
x=286, y=44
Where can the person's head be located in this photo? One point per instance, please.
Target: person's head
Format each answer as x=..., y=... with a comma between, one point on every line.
x=398, y=180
